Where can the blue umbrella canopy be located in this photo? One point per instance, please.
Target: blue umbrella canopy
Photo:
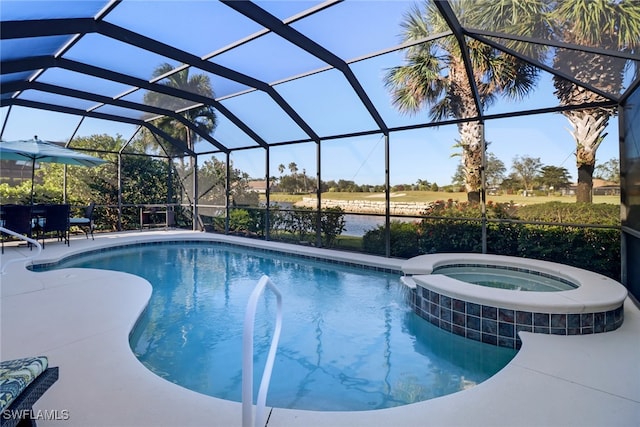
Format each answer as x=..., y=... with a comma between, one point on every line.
x=35, y=150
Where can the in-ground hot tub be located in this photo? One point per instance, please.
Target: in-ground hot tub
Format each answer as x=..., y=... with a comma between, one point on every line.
x=551, y=298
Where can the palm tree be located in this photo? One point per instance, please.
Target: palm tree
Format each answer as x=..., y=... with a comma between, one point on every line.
x=204, y=117
x=434, y=76
x=607, y=24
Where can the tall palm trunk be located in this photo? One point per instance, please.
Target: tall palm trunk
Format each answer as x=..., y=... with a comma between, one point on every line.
x=588, y=132
x=471, y=134
x=588, y=126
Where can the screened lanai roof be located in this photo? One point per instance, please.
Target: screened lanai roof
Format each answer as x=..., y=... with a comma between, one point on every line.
x=280, y=71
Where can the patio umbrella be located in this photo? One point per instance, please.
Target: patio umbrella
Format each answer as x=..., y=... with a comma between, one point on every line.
x=36, y=150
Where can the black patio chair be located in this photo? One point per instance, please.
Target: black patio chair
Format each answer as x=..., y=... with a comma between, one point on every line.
x=85, y=223
x=56, y=221
x=16, y=218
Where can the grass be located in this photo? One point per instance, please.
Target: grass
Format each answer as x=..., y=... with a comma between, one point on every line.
x=350, y=243
x=430, y=196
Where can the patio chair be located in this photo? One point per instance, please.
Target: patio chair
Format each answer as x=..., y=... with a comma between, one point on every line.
x=16, y=218
x=56, y=220
x=22, y=383
x=85, y=223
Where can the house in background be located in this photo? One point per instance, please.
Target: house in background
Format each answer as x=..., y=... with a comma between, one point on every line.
x=600, y=188
x=259, y=186
x=605, y=188
x=14, y=172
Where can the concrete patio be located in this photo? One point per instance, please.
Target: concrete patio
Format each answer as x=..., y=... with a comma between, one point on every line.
x=81, y=319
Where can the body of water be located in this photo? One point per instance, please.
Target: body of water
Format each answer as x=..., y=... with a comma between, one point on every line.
x=355, y=225
x=358, y=225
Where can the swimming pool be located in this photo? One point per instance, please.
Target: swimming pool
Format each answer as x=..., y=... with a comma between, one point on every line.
x=350, y=340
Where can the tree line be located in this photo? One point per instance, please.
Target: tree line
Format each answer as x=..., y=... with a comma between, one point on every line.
x=527, y=173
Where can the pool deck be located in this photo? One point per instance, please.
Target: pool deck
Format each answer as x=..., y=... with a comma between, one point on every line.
x=81, y=320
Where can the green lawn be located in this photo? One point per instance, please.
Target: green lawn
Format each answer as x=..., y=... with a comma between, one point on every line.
x=430, y=196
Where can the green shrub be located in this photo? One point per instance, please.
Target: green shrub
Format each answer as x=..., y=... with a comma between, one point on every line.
x=457, y=227
x=240, y=220
x=502, y=238
x=588, y=248
x=404, y=240
x=213, y=223
x=373, y=241
x=257, y=221
x=449, y=235
x=332, y=224
x=301, y=224
x=572, y=213
x=454, y=209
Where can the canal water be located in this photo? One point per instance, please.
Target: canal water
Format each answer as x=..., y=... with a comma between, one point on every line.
x=355, y=225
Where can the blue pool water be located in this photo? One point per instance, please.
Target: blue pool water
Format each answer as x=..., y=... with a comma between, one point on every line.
x=349, y=339
x=515, y=279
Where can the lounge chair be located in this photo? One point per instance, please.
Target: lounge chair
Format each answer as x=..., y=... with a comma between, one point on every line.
x=85, y=222
x=22, y=383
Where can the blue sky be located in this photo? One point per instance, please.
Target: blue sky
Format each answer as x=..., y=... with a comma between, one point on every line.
x=419, y=154
x=323, y=100
x=428, y=154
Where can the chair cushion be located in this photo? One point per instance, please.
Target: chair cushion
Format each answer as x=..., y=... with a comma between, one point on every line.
x=78, y=221
x=16, y=375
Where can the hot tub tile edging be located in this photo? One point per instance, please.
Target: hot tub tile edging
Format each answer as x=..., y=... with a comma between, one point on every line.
x=500, y=326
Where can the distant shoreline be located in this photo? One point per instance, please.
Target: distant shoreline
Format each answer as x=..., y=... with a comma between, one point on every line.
x=424, y=198
x=367, y=206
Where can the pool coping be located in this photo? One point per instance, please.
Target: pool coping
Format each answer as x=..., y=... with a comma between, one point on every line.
x=598, y=292
x=82, y=318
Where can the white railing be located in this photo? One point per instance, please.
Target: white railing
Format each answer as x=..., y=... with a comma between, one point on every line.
x=28, y=239
x=247, y=355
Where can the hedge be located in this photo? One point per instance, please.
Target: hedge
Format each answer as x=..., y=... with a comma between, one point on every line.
x=594, y=249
